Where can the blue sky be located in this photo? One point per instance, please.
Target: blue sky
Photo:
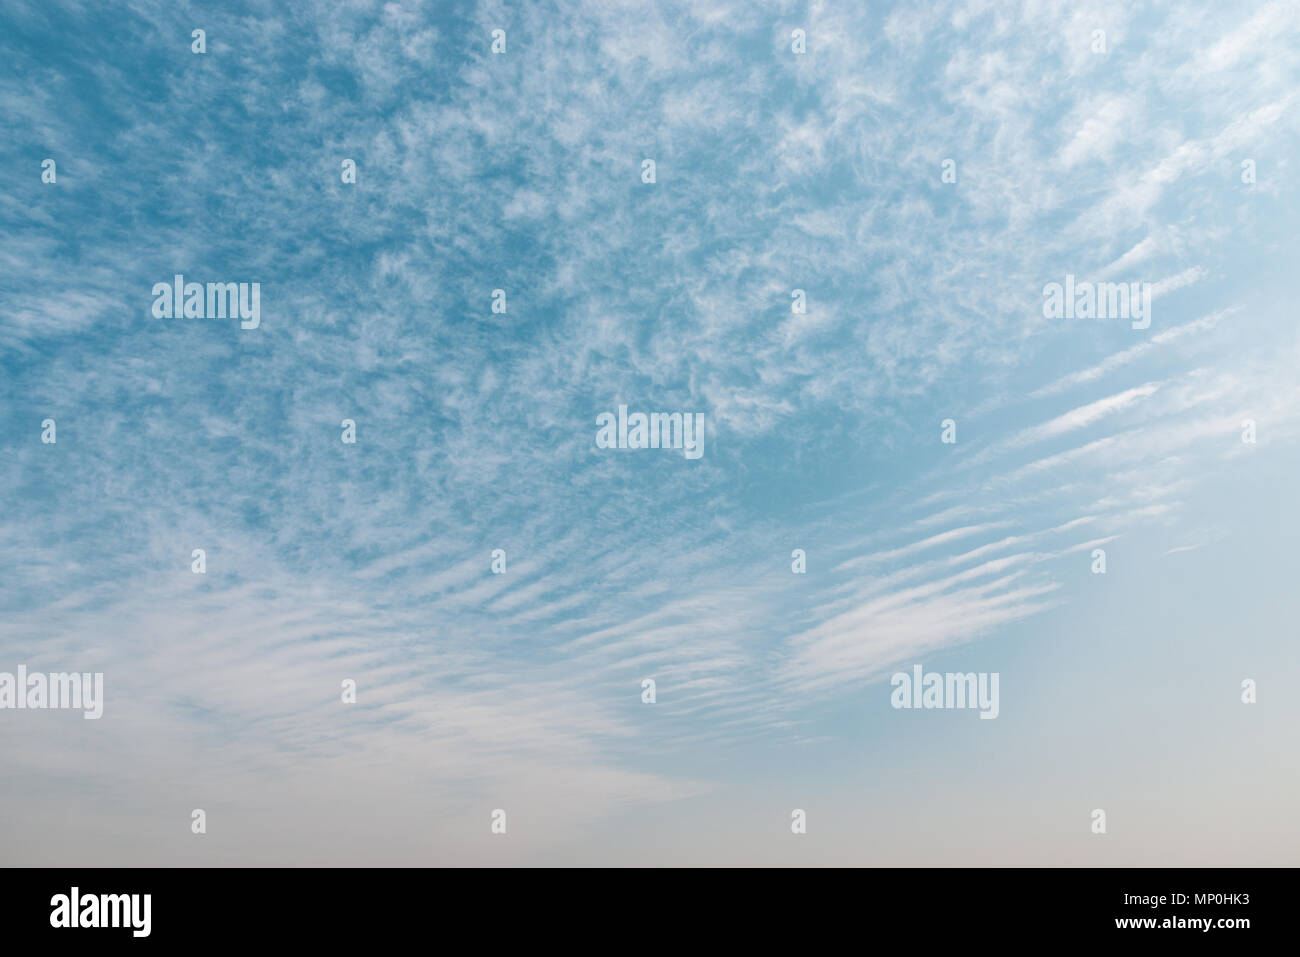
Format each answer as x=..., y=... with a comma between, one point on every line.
x=476, y=431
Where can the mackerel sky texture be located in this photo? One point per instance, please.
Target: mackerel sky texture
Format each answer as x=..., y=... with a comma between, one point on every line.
x=476, y=431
